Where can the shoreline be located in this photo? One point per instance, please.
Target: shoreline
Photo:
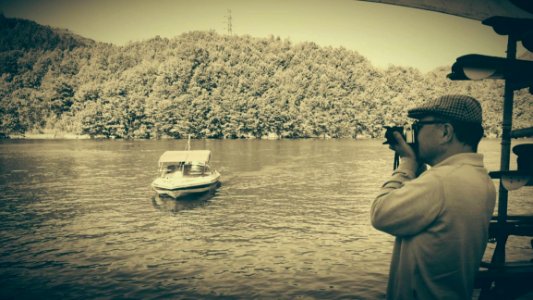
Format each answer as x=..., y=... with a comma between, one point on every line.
x=47, y=136
x=71, y=136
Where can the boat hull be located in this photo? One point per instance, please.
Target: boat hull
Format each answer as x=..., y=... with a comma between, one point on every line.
x=182, y=192
x=177, y=190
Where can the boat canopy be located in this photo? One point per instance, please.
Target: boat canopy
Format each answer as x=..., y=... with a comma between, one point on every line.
x=472, y=9
x=170, y=157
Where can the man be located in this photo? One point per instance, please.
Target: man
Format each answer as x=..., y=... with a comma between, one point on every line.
x=440, y=218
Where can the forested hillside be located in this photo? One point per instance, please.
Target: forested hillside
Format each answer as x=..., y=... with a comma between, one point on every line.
x=211, y=86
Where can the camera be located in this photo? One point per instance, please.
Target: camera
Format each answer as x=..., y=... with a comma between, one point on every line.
x=406, y=131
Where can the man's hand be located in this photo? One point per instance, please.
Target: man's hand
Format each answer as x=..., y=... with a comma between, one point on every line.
x=408, y=155
x=402, y=148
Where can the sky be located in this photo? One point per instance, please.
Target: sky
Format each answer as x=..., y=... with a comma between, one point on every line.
x=385, y=34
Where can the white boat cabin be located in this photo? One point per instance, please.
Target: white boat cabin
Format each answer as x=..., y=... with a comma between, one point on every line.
x=185, y=163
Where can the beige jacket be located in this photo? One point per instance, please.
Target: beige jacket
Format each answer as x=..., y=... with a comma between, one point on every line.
x=440, y=221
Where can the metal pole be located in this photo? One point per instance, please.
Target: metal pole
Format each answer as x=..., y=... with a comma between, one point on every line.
x=499, y=253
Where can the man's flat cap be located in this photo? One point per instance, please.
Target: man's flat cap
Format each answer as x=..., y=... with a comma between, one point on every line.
x=451, y=107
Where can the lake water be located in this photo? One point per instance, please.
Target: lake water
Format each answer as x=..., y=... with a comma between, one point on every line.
x=290, y=221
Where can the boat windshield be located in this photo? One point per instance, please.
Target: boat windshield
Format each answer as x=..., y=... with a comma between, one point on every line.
x=169, y=169
x=194, y=169
x=185, y=169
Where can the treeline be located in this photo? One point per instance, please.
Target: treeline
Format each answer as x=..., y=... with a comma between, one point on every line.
x=19, y=34
x=212, y=86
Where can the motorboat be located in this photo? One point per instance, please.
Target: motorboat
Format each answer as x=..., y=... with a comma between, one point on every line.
x=184, y=173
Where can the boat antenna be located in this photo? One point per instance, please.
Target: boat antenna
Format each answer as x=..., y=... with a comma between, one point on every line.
x=189, y=143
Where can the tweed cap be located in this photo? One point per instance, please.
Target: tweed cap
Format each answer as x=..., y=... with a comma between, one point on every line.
x=451, y=107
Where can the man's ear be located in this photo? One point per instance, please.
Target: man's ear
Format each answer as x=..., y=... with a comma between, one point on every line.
x=447, y=132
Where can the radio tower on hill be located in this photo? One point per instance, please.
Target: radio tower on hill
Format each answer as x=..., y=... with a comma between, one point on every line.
x=230, y=30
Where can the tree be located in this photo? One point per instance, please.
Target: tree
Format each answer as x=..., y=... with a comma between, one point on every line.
x=214, y=86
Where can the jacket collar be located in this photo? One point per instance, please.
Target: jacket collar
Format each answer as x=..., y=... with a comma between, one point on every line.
x=474, y=159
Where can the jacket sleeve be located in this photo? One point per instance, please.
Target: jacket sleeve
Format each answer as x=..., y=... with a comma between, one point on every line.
x=406, y=206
